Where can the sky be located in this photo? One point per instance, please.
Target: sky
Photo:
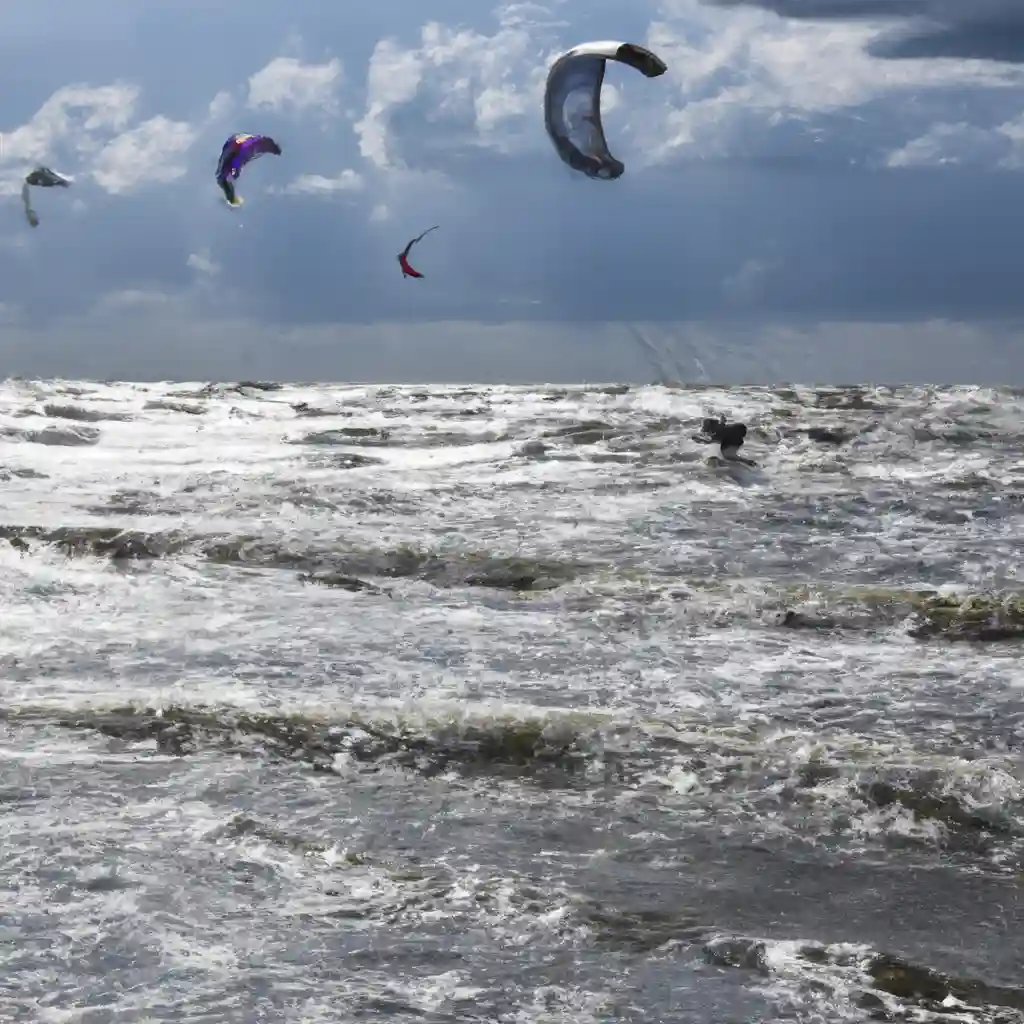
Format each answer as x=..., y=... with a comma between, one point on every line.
x=816, y=190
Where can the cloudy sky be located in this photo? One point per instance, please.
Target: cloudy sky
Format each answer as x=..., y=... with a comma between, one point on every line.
x=816, y=190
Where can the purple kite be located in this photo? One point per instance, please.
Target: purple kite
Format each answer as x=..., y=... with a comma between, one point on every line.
x=236, y=153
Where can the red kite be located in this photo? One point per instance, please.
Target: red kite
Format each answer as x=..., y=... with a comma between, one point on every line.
x=407, y=270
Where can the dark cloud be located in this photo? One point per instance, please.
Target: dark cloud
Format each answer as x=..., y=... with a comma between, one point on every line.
x=963, y=29
x=841, y=9
x=165, y=341
x=892, y=244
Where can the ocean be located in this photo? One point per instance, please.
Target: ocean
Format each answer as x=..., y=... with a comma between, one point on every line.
x=336, y=703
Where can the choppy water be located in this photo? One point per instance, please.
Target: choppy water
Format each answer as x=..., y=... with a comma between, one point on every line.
x=421, y=704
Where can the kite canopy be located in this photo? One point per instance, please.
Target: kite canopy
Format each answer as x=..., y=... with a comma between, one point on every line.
x=572, y=103
x=236, y=152
x=41, y=177
x=403, y=256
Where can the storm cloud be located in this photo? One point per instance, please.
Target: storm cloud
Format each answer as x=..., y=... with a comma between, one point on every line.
x=960, y=29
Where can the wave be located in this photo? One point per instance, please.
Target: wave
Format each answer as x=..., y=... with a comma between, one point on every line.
x=53, y=436
x=822, y=791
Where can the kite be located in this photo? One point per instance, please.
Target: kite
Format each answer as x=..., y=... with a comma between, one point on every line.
x=235, y=154
x=408, y=271
x=41, y=177
x=572, y=103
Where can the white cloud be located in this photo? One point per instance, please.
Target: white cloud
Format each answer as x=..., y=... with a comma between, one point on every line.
x=318, y=185
x=742, y=76
x=78, y=121
x=962, y=144
x=959, y=144
x=70, y=123
x=150, y=153
x=203, y=263
x=748, y=281
x=286, y=81
x=1013, y=131
x=132, y=298
x=474, y=81
x=75, y=114
x=393, y=78
x=220, y=106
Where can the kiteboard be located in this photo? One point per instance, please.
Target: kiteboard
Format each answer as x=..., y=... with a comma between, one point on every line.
x=733, y=467
x=738, y=471
x=717, y=460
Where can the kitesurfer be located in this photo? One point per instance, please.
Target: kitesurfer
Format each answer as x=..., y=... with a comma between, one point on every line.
x=728, y=436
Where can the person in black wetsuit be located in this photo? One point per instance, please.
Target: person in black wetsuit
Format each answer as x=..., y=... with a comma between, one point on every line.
x=728, y=436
